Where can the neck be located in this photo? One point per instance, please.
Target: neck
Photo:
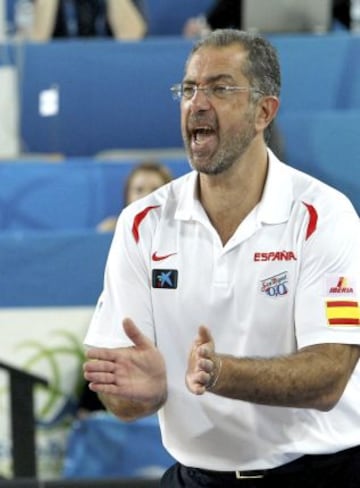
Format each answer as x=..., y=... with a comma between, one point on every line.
x=229, y=197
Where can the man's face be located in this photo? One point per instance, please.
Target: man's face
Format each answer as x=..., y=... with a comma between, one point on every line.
x=217, y=130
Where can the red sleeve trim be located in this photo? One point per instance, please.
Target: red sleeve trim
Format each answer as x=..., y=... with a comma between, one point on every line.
x=138, y=219
x=313, y=218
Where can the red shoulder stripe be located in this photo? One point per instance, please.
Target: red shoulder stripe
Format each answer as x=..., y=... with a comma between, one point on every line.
x=138, y=219
x=313, y=218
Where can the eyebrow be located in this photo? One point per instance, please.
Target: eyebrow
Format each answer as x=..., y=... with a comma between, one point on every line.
x=212, y=79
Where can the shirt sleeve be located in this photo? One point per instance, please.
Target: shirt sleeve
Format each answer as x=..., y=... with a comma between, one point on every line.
x=126, y=292
x=327, y=299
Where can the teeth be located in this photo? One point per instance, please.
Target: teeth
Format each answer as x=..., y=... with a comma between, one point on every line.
x=202, y=134
x=203, y=130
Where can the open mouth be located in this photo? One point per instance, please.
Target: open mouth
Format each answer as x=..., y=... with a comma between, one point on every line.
x=202, y=134
x=203, y=137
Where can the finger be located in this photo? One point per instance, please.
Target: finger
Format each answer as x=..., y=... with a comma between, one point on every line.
x=105, y=388
x=198, y=389
x=196, y=383
x=99, y=377
x=133, y=333
x=99, y=365
x=205, y=365
x=206, y=351
x=100, y=353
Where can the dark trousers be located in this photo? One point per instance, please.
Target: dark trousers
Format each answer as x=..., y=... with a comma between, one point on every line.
x=339, y=470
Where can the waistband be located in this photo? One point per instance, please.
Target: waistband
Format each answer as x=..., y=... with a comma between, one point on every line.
x=300, y=464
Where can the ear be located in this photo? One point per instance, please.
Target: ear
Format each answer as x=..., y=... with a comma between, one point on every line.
x=267, y=109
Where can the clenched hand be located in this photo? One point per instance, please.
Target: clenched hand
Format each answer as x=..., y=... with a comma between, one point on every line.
x=203, y=364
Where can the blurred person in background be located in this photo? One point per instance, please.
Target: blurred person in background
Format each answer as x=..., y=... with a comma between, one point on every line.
x=124, y=19
x=222, y=14
x=145, y=177
x=227, y=13
x=341, y=12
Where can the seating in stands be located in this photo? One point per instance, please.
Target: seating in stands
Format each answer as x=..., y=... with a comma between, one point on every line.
x=117, y=95
x=111, y=95
x=314, y=70
x=72, y=195
x=102, y=446
x=326, y=145
x=167, y=18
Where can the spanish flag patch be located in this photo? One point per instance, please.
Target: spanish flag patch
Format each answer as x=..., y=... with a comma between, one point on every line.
x=343, y=313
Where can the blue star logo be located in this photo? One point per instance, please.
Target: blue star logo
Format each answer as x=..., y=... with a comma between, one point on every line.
x=164, y=278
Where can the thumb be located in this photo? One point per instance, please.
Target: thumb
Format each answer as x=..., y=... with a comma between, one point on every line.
x=133, y=333
x=204, y=335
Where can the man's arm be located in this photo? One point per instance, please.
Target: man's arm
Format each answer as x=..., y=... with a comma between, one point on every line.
x=314, y=377
x=130, y=381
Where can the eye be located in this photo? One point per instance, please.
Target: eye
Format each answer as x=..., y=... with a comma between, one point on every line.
x=220, y=90
x=188, y=91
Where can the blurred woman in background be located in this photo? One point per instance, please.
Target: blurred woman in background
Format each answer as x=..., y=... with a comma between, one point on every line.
x=145, y=177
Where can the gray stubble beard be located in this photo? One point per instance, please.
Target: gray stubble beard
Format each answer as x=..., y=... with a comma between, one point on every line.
x=228, y=153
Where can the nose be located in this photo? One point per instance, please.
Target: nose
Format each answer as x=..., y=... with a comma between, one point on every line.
x=200, y=101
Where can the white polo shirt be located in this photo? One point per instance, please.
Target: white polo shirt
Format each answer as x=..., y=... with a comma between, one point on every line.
x=288, y=278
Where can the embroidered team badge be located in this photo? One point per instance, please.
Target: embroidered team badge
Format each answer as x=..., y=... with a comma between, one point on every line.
x=275, y=286
x=341, y=305
x=164, y=278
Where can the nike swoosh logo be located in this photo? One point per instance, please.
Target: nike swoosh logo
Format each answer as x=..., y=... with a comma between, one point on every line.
x=155, y=257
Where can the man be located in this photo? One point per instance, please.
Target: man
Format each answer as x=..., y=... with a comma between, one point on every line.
x=231, y=296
